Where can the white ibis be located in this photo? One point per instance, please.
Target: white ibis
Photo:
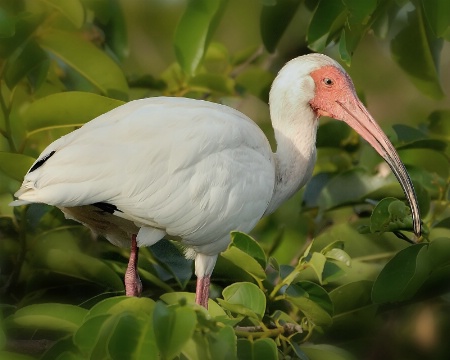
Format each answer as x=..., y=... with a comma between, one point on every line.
x=194, y=170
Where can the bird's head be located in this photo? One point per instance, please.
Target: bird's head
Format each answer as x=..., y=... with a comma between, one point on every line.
x=325, y=89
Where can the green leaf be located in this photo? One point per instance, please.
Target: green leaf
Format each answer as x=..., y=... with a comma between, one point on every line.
x=87, y=60
x=194, y=32
x=357, y=24
x=25, y=25
x=390, y=214
x=351, y=296
x=212, y=83
x=312, y=300
x=265, y=349
x=49, y=316
x=15, y=165
x=412, y=138
x=317, y=263
x=174, y=298
x=428, y=159
x=437, y=13
x=349, y=187
x=247, y=255
x=338, y=255
x=7, y=24
x=80, y=266
x=417, y=53
x=119, y=304
x=223, y=344
x=2, y=334
x=439, y=123
x=68, y=109
x=125, y=334
x=32, y=59
x=250, y=246
x=337, y=134
x=87, y=335
x=326, y=352
x=327, y=20
x=130, y=336
x=15, y=356
x=72, y=10
x=115, y=29
x=355, y=313
x=244, y=298
x=275, y=18
x=255, y=350
x=402, y=276
x=173, y=328
x=62, y=349
x=256, y=81
x=172, y=260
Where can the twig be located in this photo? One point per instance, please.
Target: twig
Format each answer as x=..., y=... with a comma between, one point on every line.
x=258, y=331
x=30, y=347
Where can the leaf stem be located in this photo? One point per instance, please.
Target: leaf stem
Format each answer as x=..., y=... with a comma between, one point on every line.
x=288, y=279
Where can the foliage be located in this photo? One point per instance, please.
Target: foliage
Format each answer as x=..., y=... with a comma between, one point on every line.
x=337, y=287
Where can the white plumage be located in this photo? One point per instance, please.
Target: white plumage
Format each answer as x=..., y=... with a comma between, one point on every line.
x=186, y=169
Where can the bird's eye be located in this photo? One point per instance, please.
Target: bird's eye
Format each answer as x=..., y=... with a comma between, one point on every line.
x=328, y=82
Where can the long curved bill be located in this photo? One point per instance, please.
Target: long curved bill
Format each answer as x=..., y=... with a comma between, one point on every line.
x=357, y=116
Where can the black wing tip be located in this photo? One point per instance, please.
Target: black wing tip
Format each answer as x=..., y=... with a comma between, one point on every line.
x=109, y=208
x=41, y=161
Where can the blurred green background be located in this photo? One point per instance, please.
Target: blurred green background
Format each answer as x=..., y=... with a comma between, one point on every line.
x=328, y=276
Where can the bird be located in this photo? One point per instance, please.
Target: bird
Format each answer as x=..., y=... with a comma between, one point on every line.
x=194, y=171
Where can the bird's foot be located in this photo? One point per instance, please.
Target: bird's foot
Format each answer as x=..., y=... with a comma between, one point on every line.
x=133, y=284
x=202, y=291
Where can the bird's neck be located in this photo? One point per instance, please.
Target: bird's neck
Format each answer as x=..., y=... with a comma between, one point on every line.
x=295, y=127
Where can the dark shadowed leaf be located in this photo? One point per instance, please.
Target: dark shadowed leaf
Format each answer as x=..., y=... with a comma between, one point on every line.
x=312, y=300
x=437, y=13
x=80, y=266
x=172, y=260
x=116, y=29
x=32, y=59
x=402, y=276
x=351, y=296
x=328, y=19
x=275, y=18
x=358, y=22
x=417, y=53
x=439, y=123
x=7, y=24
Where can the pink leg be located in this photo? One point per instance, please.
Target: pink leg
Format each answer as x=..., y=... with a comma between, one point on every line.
x=133, y=285
x=202, y=291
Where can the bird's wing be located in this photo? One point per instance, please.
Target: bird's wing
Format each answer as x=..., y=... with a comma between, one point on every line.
x=185, y=166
